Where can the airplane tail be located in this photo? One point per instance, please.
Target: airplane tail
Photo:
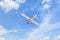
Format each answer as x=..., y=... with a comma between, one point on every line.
x=35, y=16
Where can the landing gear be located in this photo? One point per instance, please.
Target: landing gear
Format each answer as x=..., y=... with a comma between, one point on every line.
x=27, y=23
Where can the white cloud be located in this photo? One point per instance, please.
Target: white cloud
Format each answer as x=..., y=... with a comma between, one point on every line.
x=8, y=5
x=57, y=1
x=2, y=38
x=20, y=1
x=46, y=6
x=57, y=37
x=5, y=31
x=46, y=38
x=43, y=1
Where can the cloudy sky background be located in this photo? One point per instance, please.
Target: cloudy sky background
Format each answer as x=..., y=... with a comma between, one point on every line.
x=14, y=27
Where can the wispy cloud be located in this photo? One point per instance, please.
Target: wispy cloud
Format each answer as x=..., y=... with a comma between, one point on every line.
x=57, y=37
x=48, y=1
x=44, y=27
x=4, y=31
x=46, y=38
x=2, y=38
x=20, y=1
x=36, y=33
x=46, y=4
x=8, y=5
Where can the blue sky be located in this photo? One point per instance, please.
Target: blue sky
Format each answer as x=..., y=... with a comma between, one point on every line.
x=13, y=26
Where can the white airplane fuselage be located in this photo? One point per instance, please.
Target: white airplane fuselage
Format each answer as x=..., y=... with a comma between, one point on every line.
x=30, y=20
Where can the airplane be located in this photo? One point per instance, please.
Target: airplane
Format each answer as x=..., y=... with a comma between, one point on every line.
x=30, y=20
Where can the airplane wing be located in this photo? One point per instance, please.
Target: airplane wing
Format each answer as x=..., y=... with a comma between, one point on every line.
x=35, y=22
x=25, y=16
x=29, y=18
